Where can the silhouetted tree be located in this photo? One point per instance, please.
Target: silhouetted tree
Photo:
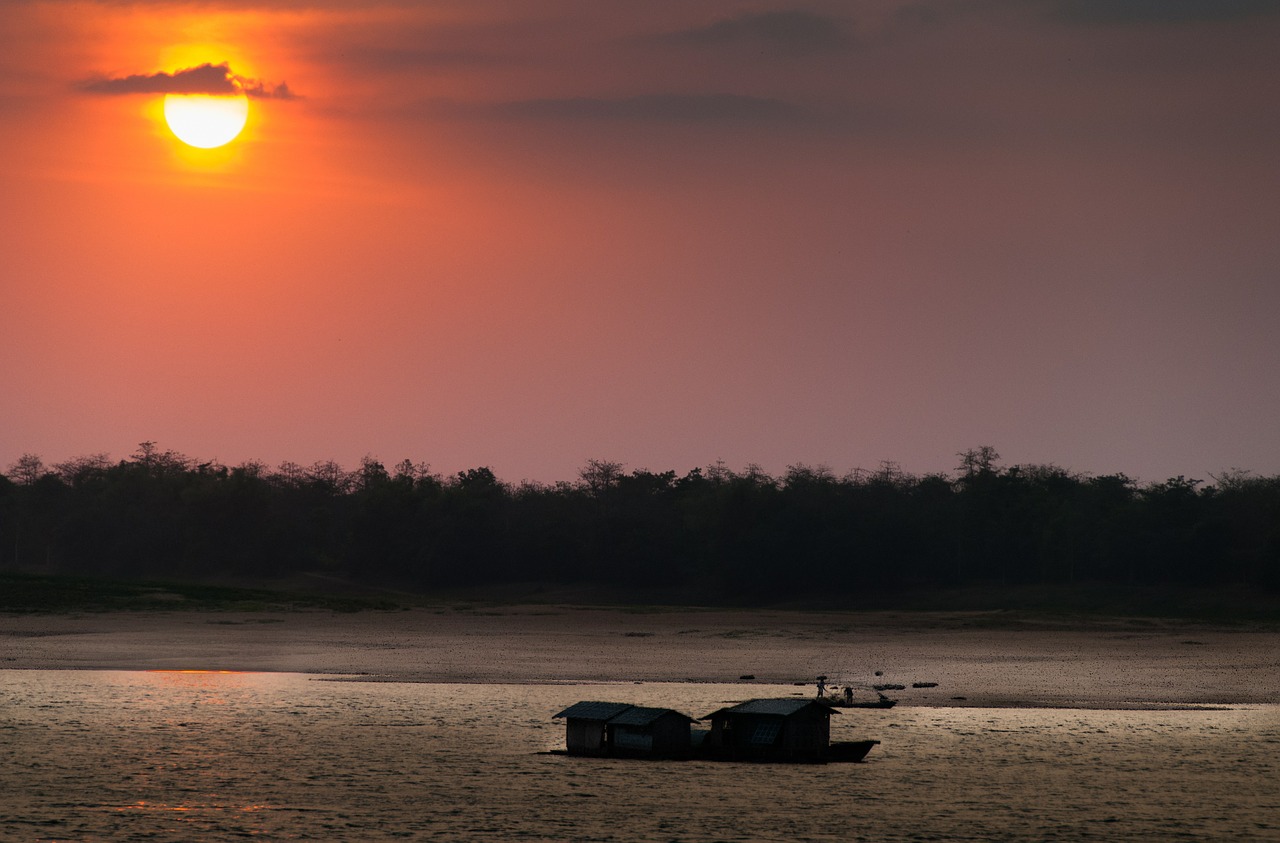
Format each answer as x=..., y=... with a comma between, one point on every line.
x=709, y=534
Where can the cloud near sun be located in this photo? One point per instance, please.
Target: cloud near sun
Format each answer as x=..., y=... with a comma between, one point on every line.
x=212, y=79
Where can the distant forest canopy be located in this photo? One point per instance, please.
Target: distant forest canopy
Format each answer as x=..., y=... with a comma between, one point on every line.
x=710, y=534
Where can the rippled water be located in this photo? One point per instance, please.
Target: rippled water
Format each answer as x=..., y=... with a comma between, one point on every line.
x=178, y=756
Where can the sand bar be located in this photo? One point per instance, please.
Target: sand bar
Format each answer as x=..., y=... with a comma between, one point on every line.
x=975, y=659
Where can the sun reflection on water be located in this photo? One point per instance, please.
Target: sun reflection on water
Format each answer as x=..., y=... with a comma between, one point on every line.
x=209, y=685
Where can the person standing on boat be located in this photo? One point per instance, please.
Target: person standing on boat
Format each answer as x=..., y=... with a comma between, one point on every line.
x=822, y=685
x=848, y=694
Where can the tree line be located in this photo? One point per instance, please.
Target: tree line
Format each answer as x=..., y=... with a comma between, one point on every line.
x=711, y=534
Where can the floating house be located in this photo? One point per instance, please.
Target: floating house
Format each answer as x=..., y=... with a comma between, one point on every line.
x=585, y=732
x=607, y=728
x=772, y=730
x=784, y=730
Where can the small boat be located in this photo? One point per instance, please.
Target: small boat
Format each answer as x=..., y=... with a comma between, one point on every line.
x=836, y=702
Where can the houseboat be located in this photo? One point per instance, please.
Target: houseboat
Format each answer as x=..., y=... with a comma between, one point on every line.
x=622, y=729
x=777, y=730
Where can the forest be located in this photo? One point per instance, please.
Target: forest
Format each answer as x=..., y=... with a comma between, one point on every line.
x=710, y=535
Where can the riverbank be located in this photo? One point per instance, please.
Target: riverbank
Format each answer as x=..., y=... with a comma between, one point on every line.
x=976, y=658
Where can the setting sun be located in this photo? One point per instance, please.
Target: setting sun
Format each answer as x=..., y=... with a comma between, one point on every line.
x=205, y=121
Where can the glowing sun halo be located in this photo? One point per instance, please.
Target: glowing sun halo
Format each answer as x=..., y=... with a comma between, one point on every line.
x=205, y=121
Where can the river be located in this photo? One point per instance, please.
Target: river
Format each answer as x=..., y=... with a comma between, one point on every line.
x=170, y=755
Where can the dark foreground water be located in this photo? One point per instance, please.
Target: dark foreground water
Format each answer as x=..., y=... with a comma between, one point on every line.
x=180, y=756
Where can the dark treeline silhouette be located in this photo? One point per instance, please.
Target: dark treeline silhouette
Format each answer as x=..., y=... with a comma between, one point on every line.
x=710, y=534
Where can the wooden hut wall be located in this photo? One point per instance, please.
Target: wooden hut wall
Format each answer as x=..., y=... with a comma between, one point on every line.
x=669, y=733
x=584, y=737
x=806, y=735
x=632, y=739
x=722, y=732
x=741, y=730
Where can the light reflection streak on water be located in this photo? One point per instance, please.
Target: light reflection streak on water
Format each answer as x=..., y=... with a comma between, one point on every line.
x=143, y=805
x=211, y=682
x=170, y=755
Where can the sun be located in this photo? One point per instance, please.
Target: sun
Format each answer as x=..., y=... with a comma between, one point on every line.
x=205, y=121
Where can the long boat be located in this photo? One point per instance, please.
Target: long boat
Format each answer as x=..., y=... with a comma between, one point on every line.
x=883, y=702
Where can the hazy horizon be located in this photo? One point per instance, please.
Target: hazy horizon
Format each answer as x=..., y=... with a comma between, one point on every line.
x=14, y=468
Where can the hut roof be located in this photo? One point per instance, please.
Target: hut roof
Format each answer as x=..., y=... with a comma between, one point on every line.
x=591, y=710
x=643, y=716
x=781, y=707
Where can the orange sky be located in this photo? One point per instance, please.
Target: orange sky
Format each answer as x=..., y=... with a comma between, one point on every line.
x=527, y=234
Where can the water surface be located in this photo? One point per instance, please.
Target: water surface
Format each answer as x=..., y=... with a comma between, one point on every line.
x=126, y=755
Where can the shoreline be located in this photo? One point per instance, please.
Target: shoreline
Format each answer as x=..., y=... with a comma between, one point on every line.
x=1112, y=663
x=994, y=702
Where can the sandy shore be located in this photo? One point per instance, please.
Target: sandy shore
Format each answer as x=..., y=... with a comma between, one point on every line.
x=975, y=659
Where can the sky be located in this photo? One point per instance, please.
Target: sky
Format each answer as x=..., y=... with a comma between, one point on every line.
x=528, y=233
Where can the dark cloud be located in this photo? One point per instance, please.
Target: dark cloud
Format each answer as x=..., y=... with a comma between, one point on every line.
x=793, y=31
x=257, y=89
x=686, y=108
x=1162, y=11
x=215, y=79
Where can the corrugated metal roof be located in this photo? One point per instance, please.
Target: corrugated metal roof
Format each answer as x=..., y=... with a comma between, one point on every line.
x=643, y=716
x=591, y=710
x=783, y=707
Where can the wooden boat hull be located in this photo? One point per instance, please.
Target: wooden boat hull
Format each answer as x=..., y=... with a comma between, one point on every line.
x=849, y=751
x=839, y=752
